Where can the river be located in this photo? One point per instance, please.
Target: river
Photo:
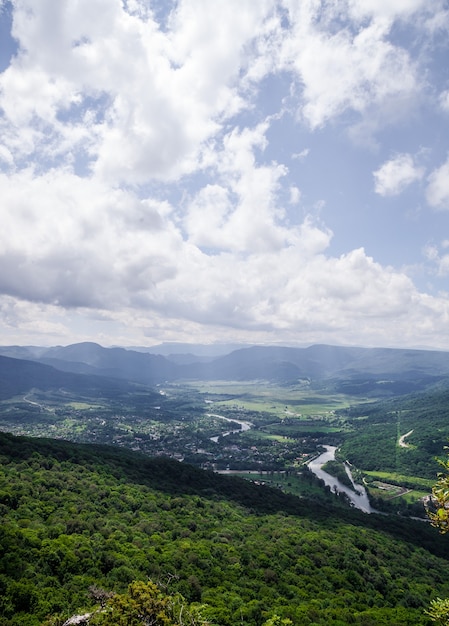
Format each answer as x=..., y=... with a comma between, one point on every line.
x=243, y=426
x=358, y=496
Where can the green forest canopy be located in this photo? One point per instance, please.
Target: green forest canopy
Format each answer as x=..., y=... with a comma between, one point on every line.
x=77, y=516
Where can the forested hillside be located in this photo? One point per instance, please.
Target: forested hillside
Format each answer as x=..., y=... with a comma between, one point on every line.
x=376, y=428
x=18, y=376
x=77, y=516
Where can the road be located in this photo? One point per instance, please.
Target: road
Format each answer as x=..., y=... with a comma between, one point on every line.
x=401, y=441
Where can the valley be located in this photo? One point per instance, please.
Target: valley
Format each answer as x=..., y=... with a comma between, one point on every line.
x=200, y=423
x=213, y=488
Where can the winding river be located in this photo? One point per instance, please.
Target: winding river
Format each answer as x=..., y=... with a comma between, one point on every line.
x=358, y=496
x=243, y=426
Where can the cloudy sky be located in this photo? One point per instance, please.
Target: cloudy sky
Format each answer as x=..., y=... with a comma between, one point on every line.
x=270, y=171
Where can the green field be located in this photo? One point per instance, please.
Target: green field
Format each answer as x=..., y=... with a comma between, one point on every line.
x=79, y=406
x=299, y=402
x=391, y=487
x=399, y=479
x=293, y=483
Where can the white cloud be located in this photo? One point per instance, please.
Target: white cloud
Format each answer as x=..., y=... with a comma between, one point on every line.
x=396, y=175
x=386, y=9
x=443, y=269
x=166, y=93
x=141, y=188
x=437, y=19
x=343, y=65
x=430, y=252
x=6, y=156
x=71, y=241
x=240, y=214
x=301, y=155
x=25, y=322
x=122, y=257
x=444, y=100
x=438, y=187
x=439, y=262
x=295, y=195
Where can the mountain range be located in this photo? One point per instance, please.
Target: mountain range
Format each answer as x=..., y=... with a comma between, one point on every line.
x=18, y=376
x=93, y=365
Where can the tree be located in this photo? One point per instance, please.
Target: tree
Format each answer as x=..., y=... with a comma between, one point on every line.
x=440, y=498
x=439, y=611
x=277, y=621
x=145, y=604
x=439, y=608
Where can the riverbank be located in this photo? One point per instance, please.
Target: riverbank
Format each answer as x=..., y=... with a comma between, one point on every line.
x=243, y=426
x=357, y=496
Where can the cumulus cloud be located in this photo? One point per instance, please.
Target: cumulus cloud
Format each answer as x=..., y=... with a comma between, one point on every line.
x=438, y=257
x=72, y=242
x=142, y=102
x=384, y=9
x=444, y=100
x=241, y=214
x=165, y=92
x=295, y=195
x=139, y=189
x=354, y=67
x=396, y=175
x=438, y=187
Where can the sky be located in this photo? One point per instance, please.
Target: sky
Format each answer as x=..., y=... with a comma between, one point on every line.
x=209, y=171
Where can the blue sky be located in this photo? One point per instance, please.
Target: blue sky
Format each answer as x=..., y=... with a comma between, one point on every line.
x=231, y=171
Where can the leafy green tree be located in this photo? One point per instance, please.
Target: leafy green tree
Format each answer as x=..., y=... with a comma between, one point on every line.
x=277, y=621
x=145, y=604
x=440, y=493
x=439, y=608
x=439, y=611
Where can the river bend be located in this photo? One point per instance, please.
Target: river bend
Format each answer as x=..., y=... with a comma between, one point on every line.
x=358, y=496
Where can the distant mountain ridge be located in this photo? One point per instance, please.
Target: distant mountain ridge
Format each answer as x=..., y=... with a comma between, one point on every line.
x=199, y=350
x=271, y=363
x=18, y=376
